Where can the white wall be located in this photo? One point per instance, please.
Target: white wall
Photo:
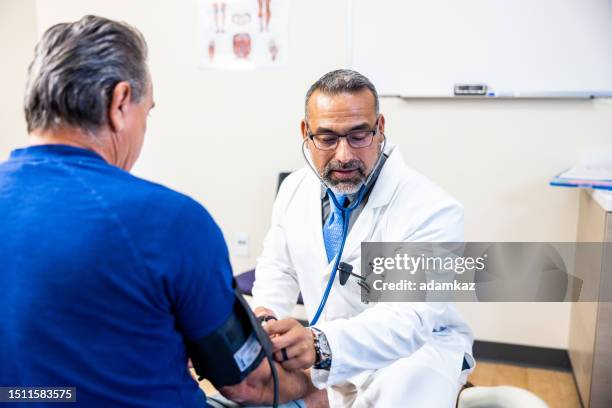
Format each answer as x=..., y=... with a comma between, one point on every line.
x=222, y=137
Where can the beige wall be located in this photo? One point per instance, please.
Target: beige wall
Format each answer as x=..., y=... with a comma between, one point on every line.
x=17, y=40
x=222, y=137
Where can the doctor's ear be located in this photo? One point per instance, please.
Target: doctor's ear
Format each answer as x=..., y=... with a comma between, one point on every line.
x=304, y=130
x=381, y=124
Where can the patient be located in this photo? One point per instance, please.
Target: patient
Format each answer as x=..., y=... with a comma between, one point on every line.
x=104, y=275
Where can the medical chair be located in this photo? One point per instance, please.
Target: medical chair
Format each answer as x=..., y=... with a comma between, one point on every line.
x=504, y=396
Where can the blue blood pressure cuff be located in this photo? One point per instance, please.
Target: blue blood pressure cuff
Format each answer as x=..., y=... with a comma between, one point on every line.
x=228, y=354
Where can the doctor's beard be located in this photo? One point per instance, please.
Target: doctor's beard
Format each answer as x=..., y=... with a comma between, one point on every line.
x=348, y=186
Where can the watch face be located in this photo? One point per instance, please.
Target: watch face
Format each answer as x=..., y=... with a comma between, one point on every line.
x=323, y=351
x=324, y=345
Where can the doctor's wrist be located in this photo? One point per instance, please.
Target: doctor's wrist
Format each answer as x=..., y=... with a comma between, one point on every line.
x=323, y=355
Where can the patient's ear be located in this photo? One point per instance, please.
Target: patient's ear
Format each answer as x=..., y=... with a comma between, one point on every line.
x=119, y=105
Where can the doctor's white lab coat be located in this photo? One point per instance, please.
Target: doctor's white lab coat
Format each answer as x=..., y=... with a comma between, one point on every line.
x=403, y=206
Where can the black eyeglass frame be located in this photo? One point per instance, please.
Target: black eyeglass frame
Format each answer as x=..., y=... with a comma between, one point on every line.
x=372, y=133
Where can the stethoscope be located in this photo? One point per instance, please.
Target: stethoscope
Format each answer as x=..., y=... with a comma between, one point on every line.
x=344, y=268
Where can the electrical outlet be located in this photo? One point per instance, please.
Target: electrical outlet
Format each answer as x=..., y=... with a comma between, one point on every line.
x=241, y=247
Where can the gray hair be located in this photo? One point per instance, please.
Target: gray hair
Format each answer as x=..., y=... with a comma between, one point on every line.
x=75, y=69
x=339, y=81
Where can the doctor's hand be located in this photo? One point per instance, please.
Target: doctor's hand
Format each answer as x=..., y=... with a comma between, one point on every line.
x=293, y=344
x=263, y=311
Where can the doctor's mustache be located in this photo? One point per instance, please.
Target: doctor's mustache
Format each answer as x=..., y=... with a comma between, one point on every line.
x=354, y=164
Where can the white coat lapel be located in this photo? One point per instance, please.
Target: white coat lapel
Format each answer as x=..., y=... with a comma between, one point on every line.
x=361, y=231
x=313, y=220
x=381, y=195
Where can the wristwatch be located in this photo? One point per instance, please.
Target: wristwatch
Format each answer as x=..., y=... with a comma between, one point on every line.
x=323, y=359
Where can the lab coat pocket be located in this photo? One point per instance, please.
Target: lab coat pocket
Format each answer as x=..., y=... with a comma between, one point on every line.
x=346, y=301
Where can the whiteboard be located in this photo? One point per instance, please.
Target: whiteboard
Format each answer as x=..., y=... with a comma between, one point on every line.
x=528, y=48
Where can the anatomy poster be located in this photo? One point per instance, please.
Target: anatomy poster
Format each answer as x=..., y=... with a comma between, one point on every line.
x=243, y=34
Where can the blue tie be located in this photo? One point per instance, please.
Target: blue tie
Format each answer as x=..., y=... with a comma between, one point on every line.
x=332, y=230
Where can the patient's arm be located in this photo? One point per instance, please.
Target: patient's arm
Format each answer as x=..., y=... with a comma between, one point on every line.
x=258, y=388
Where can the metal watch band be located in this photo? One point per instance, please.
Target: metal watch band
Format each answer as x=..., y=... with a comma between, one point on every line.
x=323, y=351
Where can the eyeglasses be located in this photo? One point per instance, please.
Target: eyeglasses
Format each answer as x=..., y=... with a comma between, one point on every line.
x=357, y=139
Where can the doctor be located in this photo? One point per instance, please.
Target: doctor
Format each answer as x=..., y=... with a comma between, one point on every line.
x=386, y=354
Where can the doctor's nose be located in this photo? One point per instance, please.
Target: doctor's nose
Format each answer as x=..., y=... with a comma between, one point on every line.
x=344, y=152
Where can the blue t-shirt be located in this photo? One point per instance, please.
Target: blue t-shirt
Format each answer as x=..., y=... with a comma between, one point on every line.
x=102, y=277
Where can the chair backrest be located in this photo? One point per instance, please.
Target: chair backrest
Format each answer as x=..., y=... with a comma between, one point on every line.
x=281, y=177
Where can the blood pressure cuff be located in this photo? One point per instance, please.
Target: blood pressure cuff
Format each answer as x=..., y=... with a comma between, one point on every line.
x=228, y=354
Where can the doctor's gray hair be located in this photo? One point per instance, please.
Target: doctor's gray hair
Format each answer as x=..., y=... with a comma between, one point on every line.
x=75, y=70
x=342, y=81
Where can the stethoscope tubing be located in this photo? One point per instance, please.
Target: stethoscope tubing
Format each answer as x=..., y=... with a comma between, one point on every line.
x=346, y=216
